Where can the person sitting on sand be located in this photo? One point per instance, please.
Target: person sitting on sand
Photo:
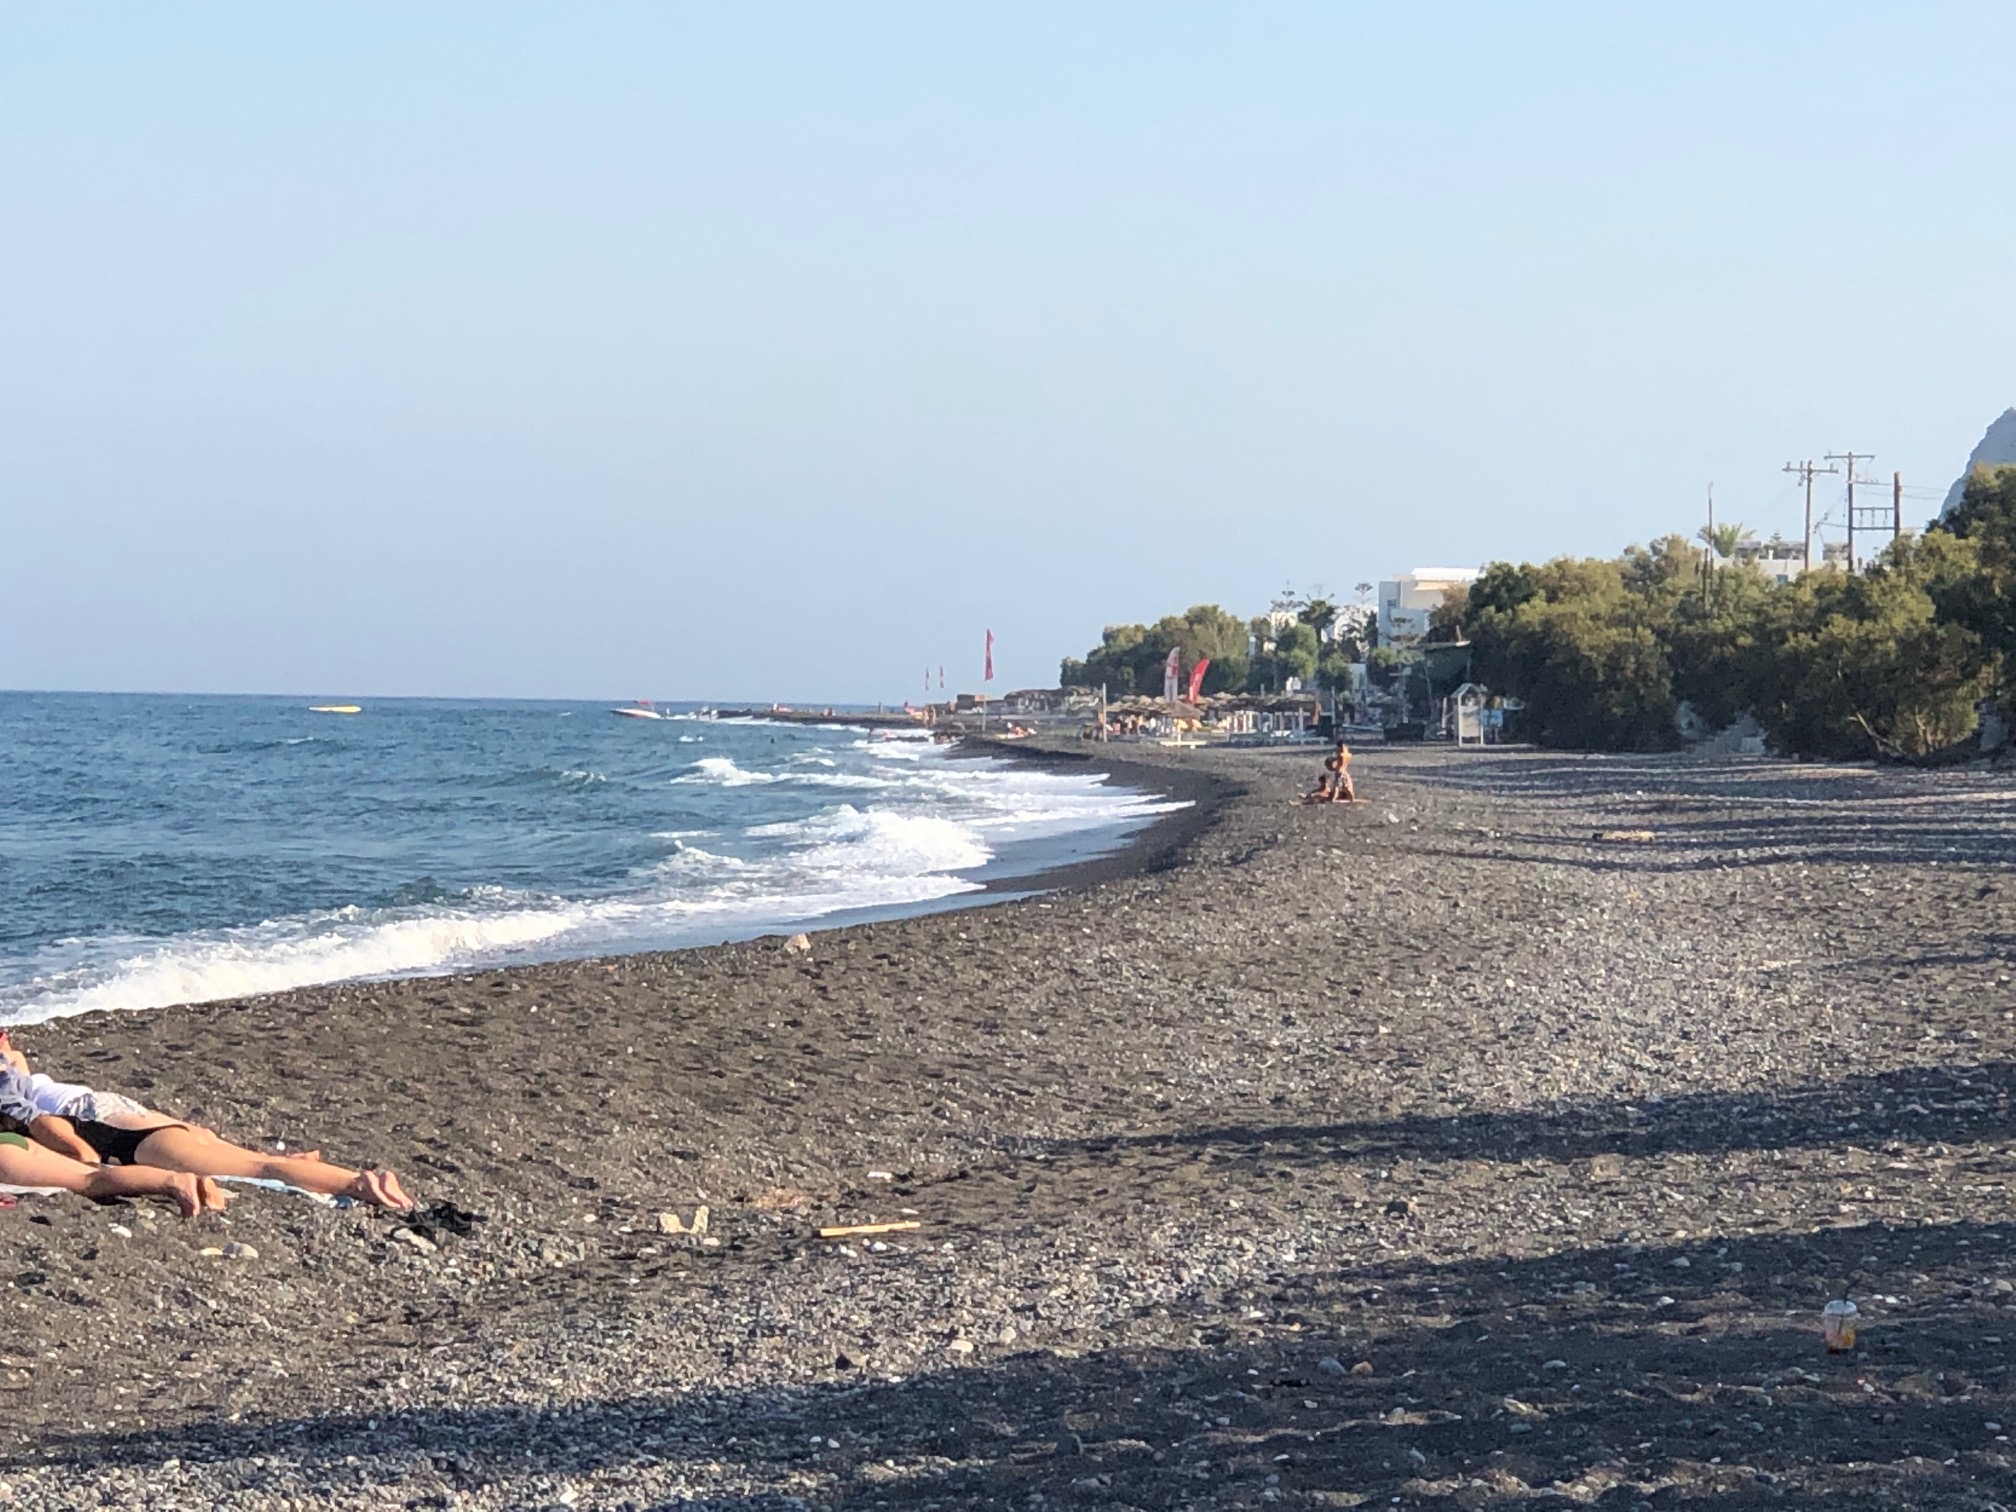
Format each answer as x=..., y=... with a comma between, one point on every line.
x=93, y=1127
x=25, y=1164
x=1338, y=765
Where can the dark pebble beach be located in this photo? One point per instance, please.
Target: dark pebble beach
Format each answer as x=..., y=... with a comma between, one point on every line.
x=1493, y=1143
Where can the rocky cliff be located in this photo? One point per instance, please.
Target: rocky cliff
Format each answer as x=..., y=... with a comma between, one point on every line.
x=1997, y=448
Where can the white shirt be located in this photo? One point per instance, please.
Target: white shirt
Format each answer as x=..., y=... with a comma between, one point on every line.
x=27, y=1097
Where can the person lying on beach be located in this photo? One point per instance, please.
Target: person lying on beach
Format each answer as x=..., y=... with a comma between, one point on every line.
x=29, y=1165
x=93, y=1127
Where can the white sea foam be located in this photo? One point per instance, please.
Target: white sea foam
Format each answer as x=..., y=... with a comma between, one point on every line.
x=923, y=826
x=281, y=954
x=844, y=838
x=722, y=771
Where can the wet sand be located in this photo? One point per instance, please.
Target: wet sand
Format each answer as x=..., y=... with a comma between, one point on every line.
x=1492, y=1143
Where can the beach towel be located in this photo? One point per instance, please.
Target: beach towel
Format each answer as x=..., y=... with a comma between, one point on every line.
x=268, y=1184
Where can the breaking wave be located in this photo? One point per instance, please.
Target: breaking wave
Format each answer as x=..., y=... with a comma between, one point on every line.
x=914, y=826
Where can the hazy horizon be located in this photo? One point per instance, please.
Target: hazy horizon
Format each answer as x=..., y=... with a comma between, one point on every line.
x=648, y=351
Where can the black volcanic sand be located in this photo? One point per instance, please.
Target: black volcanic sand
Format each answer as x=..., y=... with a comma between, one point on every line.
x=1434, y=1152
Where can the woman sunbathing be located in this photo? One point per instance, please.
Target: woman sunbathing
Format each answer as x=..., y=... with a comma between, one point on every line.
x=92, y=1127
x=29, y=1165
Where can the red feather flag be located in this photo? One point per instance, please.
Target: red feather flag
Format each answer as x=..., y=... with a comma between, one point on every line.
x=1197, y=677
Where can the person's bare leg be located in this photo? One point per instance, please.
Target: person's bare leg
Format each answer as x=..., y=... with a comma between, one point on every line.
x=36, y=1166
x=186, y=1148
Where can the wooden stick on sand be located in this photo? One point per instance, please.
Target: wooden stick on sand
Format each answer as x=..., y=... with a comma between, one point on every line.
x=848, y=1230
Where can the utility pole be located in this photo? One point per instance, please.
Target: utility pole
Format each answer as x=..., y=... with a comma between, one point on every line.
x=1805, y=472
x=1896, y=505
x=1851, y=458
x=1708, y=549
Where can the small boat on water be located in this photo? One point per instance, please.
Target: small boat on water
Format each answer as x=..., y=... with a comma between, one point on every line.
x=335, y=708
x=641, y=709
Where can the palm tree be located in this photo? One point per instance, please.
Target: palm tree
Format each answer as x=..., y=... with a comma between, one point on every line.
x=1722, y=539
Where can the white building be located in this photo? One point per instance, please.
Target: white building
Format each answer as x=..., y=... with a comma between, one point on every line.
x=1407, y=601
x=1781, y=560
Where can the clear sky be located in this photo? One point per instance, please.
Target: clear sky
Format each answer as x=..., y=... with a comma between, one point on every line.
x=753, y=351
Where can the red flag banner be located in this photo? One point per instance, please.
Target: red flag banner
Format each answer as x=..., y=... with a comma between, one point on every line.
x=1197, y=677
x=989, y=677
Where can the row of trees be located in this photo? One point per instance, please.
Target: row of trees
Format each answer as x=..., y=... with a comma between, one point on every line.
x=1890, y=661
x=1255, y=655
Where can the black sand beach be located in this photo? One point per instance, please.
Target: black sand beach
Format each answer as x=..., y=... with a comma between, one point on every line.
x=1495, y=1143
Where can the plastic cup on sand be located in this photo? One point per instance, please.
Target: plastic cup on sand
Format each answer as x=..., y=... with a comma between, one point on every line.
x=1837, y=1322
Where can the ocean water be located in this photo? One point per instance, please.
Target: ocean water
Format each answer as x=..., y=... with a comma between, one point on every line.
x=158, y=850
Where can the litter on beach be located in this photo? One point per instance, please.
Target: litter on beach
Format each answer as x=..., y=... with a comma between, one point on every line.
x=850, y=1230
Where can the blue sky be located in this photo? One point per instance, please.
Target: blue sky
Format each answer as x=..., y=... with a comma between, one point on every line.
x=768, y=351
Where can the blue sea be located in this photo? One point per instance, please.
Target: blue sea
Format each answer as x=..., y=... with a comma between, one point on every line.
x=158, y=849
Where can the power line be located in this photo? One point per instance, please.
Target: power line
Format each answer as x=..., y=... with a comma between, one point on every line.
x=1863, y=517
x=1806, y=472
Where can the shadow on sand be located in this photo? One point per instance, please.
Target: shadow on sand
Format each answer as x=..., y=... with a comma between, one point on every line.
x=1811, y=815
x=1616, y=1377
x=1919, y=1105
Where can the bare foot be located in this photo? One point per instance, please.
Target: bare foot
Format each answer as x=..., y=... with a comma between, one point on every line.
x=187, y=1194
x=380, y=1187
x=394, y=1195
x=215, y=1198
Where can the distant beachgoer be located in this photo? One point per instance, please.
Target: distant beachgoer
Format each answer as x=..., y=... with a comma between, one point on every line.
x=26, y=1164
x=94, y=1128
x=1342, y=790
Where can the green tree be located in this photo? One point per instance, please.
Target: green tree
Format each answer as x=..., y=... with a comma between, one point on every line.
x=1579, y=647
x=1130, y=658
x=1445, y=620
x=1296, y=652
x=1719, y=645
x=1333, y=666
x=1385, y=664
x=1864, y=664
x=1985, y=601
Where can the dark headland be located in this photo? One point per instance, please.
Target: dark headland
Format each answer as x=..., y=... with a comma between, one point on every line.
x=1495, y=1143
